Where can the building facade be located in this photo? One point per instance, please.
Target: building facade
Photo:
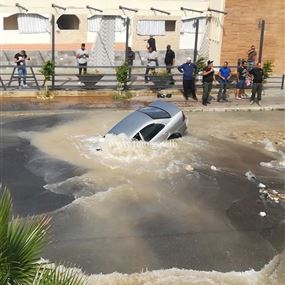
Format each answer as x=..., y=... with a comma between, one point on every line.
x=102, y=25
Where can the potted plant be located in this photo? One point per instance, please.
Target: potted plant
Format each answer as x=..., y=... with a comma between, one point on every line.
x=90, y=79
x=47, y=71
x=161, y=78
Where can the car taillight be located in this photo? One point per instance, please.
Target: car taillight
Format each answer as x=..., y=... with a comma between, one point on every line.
x=183, y=116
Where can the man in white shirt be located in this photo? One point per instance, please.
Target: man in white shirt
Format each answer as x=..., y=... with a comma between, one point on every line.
x=152, y=63
x=82, y=57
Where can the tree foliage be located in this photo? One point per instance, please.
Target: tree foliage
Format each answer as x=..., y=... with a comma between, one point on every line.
x=267, y=68
x=47, y=70
x=21, y=246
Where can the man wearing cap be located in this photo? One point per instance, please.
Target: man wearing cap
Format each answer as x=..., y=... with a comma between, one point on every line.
x=208, y=78
x=189, y=70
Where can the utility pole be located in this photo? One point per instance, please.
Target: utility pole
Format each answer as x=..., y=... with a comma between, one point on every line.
x=261, y=25
x=52, y=46
x=127, y=38
x=196, y=39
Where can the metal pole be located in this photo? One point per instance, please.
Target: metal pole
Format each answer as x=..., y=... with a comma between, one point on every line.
x=262, y=27
x=127, y=38
x=196, y=40
x=52, y=47
x=282, y=83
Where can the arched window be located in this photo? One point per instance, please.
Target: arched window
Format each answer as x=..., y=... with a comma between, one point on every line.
x=11, y=23
x=68, y=22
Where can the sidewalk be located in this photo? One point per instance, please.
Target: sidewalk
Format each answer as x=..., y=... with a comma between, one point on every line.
x=272, y=99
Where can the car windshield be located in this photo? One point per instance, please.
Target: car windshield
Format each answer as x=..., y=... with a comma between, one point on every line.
x=155, y=113
x=149, y=132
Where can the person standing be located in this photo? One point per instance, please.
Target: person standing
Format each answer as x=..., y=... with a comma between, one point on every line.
x=257, y=75
x=152, y=63
x=20, y=59
x=208, y=78
x=169, y=58
x=241, y=77
x=82, y=58
x=130, y=59
x=151, y=43
x=189, y=70
x=224, y=74
x=251, y=57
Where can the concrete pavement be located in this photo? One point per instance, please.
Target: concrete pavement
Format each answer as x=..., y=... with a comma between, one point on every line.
x=272, y=99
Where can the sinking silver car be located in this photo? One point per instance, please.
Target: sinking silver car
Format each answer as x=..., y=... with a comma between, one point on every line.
x=157, y=122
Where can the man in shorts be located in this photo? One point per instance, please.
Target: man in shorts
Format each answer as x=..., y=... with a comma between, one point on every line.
x=241, y=78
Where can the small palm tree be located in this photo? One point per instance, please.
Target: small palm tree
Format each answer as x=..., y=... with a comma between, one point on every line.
x=21, y=245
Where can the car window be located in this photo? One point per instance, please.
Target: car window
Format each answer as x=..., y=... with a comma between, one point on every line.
x=137, y=137
x=151, y=131
x=155, y=113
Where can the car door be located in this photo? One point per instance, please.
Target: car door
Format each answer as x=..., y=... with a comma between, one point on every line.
x=149, y=132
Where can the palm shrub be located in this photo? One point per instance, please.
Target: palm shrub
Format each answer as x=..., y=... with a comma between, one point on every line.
x=267, y=68
x=201, y=63
x=21, y=245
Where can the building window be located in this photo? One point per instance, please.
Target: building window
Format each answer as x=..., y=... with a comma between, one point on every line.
x=170, y=26
x=11, y=23
x=68, y=22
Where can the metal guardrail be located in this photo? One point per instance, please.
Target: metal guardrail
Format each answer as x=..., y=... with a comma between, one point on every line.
x=66, y=78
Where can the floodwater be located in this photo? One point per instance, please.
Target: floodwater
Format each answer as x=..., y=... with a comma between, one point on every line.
x=175, y=211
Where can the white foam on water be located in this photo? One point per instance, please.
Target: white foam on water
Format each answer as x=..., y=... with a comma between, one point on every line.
x=76, y=186
x=274, y=164
x=250, y=176
x=268, y=145
x=278, y=164
x=273, y=273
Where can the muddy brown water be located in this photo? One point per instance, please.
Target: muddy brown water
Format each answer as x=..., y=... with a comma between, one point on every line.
x=184, y=204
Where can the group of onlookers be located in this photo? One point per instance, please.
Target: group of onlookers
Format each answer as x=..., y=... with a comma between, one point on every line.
x=248, y=72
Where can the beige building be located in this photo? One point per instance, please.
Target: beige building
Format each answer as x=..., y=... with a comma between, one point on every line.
x=102, y=26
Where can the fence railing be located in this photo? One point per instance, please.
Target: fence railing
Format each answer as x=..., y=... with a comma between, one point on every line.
x=67, y=78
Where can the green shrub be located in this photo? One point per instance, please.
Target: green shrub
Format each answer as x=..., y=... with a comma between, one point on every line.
x=201, y=63
x=47, y=70
x=122, y=73
x=267, y=68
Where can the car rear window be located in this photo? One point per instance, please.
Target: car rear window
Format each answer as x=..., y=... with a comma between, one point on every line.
x=155, y=113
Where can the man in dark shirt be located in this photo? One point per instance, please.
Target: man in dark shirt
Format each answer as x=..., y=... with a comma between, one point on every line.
x=151, y=43
x=189, y=70
x=20, y=59
x=257, y=75
x=208, y=78
x=169, y=58
x=130, y=60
